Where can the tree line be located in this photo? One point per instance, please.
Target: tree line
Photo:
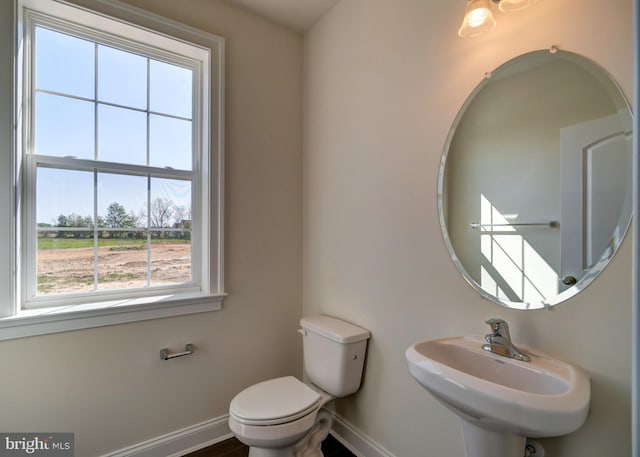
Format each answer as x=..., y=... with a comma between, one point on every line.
x=162, y=214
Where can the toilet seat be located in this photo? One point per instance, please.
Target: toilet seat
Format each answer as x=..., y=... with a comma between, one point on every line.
x=276, y=401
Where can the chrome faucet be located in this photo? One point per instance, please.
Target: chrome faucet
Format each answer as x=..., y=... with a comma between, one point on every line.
x=499, y=341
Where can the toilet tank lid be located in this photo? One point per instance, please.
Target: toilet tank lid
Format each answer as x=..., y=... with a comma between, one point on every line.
x=334, y=329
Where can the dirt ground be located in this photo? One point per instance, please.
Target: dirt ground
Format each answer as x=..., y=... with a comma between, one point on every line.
x=71, y=270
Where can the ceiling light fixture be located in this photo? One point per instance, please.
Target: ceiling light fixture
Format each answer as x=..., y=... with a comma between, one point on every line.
x=478, y=17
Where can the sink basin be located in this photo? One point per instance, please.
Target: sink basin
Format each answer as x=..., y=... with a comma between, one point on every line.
x=501, y=401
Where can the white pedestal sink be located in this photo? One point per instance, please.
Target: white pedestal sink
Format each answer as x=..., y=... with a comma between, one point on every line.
x=501, y=401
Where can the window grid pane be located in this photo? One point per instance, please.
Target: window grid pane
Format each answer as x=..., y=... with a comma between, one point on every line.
x=64, y=63
x=64, y=126
x=122, y=78
x=74, y=254
x=122, y=135
x=110, y=120
x=67, y=126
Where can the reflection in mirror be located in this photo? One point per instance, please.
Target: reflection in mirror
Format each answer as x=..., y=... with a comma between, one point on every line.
x=535, y=185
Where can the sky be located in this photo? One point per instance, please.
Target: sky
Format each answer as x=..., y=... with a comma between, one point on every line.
x=94, y=102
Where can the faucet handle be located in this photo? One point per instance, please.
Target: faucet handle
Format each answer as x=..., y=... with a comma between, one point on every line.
x=499, y=327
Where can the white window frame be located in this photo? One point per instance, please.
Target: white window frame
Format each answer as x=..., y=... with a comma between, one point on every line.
x=24, y=316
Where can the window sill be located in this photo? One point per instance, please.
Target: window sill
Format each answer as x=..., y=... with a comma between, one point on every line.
x=66, y=318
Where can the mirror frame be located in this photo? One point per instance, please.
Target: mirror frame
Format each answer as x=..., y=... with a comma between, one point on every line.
x=602, y=262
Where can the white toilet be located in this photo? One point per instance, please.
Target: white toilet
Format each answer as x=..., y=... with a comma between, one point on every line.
x=285, y=417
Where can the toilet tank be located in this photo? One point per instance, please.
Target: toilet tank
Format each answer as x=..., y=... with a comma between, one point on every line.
x=334, y=352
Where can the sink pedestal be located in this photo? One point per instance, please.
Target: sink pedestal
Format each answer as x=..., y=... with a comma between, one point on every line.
x=481, y=442
x=501, y=400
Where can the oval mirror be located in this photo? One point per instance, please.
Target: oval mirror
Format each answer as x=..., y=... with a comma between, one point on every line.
x=535, y=188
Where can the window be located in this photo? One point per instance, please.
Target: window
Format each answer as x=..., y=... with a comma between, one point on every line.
x=118, y=165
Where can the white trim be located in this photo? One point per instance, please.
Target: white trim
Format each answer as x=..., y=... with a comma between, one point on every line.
x=355, y=440
x=64, y=319
x=9, y=302
x=116, y=28
x=635, y=286
x=102, y=30
x=212, y=431
x=20, y=323
x=180, y=442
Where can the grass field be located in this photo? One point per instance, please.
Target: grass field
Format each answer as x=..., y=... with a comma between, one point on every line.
x=74, y=243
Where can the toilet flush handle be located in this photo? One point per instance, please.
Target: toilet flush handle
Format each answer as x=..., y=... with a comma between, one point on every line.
x=302, y=332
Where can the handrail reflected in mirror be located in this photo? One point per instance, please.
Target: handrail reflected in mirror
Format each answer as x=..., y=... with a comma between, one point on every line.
x=551, y=224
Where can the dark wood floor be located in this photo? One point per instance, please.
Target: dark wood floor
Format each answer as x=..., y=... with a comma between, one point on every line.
x=331, y=447
x=228, y=448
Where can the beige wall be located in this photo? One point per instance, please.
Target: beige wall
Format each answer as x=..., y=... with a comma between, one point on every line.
x=383, y=80
x=108, y=385
x=383, y=83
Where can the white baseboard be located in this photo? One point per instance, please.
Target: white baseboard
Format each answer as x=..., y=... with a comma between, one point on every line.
x=180, y=442
x=355, y=440
x=190, y=439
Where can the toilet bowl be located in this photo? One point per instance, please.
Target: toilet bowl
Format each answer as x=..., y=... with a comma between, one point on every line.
x=285, y=417
x=272, y=416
